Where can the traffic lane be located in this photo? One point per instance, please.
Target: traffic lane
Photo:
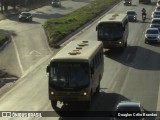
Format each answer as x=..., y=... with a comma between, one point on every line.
x=32, y=46
x=47, y=11
x=30, y=43
x=142, y=81
x=139, y=83
x=42, y=14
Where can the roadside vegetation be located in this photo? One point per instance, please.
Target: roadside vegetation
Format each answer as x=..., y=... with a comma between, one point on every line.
x=3, y=39
x=58, y=28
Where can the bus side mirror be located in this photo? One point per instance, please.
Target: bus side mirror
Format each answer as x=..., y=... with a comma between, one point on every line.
x=48, y=67
x=96, y=28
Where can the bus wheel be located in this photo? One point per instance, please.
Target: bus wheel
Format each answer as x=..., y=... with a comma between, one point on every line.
x=54, y=103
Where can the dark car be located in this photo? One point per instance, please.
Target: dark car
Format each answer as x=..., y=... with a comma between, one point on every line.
x=25, y=16
x=129, y=111
x=56, y=3
x=128, y=2
x=155, y=23
x=155, y=14
x=132, y=15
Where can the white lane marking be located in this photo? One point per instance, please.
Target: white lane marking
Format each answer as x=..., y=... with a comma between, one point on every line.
x=33, y=52
x=36, y=52
x=17, y=54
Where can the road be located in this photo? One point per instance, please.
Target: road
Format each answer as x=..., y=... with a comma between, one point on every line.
x=29, y=43
x=132, y=75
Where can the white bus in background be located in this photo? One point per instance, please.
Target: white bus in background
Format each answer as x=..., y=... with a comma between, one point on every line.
x=113, y=31
x=75, y=72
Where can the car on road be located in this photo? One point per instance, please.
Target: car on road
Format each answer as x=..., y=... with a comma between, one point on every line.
x=155, y=14
x=25, y=16
x=155, y=23
x=56, y=3
x=152, y=35
x=129, y=107
x=132, y=15
x=128, y=2
x=157, y=8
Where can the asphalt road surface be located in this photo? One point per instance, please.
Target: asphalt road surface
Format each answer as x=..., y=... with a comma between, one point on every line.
x=132, y=75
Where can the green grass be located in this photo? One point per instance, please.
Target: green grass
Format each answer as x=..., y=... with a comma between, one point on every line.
x=3, y=38
x=58, y=28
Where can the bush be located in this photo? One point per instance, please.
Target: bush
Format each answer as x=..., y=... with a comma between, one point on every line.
x=3, y=39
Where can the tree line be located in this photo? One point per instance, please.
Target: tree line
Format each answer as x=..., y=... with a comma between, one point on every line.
x=14, y=3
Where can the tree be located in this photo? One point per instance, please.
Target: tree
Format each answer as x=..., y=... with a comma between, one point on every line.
x=6, y=3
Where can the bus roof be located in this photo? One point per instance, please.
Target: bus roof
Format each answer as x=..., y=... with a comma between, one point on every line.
x=78, y=50
x=114, y=17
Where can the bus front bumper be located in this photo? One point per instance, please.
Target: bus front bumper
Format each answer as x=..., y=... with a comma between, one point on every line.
x=69, y=96
x=113, y=44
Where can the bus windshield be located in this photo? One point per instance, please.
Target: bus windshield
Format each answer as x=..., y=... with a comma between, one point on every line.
x=68, y=75
x=110, y=31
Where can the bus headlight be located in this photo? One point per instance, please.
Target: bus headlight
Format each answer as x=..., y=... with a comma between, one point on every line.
x=84, y=93
x=120, y=42
x=52, y=93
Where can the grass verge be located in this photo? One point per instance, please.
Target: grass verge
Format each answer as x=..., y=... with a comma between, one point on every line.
x=3, y=39
x=58, y=28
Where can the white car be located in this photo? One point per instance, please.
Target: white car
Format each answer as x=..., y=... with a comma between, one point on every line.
x=152, y=35
x=155, y=14
x=157, y=8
